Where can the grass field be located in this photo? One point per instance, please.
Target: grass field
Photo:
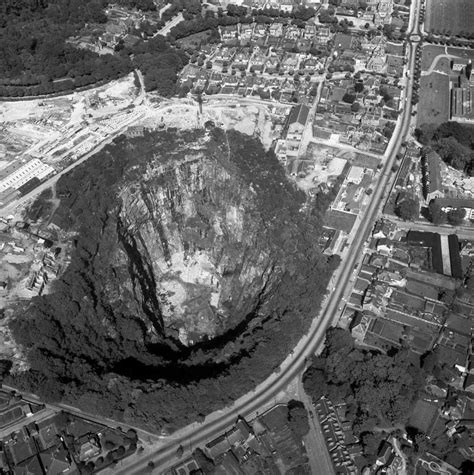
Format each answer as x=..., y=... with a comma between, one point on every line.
x=430, y=52
x=366, y=161
x=434, y=99
x=10, y=416
x=449, y=17
x=340, y=220
x=461, y=52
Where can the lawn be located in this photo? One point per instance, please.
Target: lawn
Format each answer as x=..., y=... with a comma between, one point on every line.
x=434, y=99
x=449, y=17
x=431, y=51
x=429, y=54
x=10, y=416
x=391, y=331
x=461, y=52
x=423, y=415
x=340, y=220
x=366, y=161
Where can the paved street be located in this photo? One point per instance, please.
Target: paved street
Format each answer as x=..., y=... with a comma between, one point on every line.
x=315, y=443
x=172, y=23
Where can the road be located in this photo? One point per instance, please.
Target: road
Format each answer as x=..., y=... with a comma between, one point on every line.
x=172, y=23
x=316, y=448
x=50, y=409
x=217, y=422
x=434, y=63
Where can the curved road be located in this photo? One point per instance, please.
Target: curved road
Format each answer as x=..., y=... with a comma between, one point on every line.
x=216, y=423
x=435, y=62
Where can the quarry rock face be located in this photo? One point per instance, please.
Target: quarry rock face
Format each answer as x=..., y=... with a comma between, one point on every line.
x=191, y=227
x=195, y=269
x=180, y=237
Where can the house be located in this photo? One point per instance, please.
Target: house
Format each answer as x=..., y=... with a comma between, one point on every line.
x=246, y=32
x=359, y=326
x=456, y=203
x=297, y=122
x=260, y=31
x=376, y=63
x=218, y=446
x=432, y=184
x=272, y=64
x=88, y=449
x=384, y=247
x=276, y=30
x=286, y=5
x=394, y=64
x=228, y=33
x=310, y=31
x=290, y=63
x=323, y=36
x=57, y=461
x=385, y=454
x=31, y=466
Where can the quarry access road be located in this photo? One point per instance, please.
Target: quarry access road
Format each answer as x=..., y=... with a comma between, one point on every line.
x=216, y=423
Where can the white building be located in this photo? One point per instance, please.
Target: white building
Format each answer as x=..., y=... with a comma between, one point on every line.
x=14, y=177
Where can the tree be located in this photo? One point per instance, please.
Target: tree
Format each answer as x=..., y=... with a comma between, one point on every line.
x=109, y=445
x=204, y=462
x=371, y=443
x=456, y=216
x=355, y=107
x=436, y=213
x=349, y=98
x=314, y=382
x=5, y=367
x=407, y=207
x=120, y=451
x=298, y=418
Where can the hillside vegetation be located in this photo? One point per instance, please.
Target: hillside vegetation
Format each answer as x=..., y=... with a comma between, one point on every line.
x=36, y=59
x=453, y=141
x=98, y=343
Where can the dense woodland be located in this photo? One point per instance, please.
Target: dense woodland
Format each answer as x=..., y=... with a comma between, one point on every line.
x=380, y=391
x=75, y=357
x=35, y=58
x=453, y=141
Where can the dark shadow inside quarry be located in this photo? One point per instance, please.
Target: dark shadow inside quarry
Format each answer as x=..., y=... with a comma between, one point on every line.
x=181, y=366
x=99, y=340
x=178, y=373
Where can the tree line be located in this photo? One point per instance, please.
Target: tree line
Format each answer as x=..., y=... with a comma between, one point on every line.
x=35, y=58
x=380, y=391
x=454, y=142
